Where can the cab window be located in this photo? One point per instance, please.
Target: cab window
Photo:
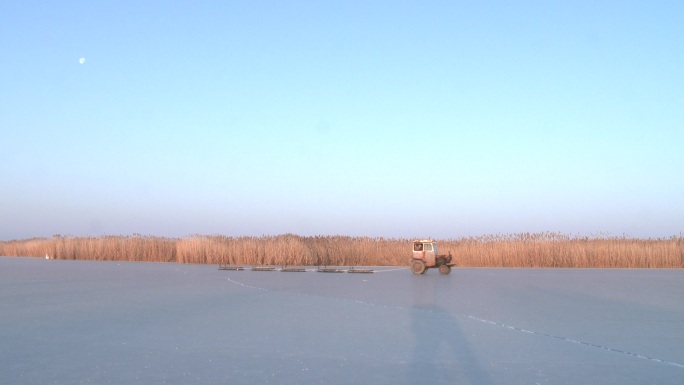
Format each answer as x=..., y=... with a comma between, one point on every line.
x=427, y=247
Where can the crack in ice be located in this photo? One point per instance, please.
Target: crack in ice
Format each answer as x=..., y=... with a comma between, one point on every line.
x=247, y=286
x=579, y=342
x=654, y=359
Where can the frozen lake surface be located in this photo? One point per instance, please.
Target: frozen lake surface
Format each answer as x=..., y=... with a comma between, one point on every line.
x=71, y=322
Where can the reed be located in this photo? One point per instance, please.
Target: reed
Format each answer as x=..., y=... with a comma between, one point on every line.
x=514, y=250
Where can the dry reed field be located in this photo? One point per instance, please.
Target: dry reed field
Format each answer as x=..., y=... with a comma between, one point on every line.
x=517, y=250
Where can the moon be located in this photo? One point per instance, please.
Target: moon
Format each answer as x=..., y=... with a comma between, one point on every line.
x=81, y=60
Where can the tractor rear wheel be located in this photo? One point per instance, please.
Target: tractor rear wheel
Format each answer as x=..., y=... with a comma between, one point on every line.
x=445, y=269
x=418, y=267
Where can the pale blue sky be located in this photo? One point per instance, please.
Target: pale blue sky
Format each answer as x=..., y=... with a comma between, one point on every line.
x=377, y=118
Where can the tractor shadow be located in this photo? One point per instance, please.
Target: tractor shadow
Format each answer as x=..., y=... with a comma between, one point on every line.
x=441, y=354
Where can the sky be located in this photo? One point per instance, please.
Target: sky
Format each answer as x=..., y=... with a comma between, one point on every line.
x=408, y=119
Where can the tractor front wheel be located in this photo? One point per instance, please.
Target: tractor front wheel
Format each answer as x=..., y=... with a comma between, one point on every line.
x=445, y=269
x=418, y=267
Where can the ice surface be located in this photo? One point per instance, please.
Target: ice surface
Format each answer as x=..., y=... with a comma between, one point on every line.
x=69, y=322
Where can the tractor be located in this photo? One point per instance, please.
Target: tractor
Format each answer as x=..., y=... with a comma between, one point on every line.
x=425, y=256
